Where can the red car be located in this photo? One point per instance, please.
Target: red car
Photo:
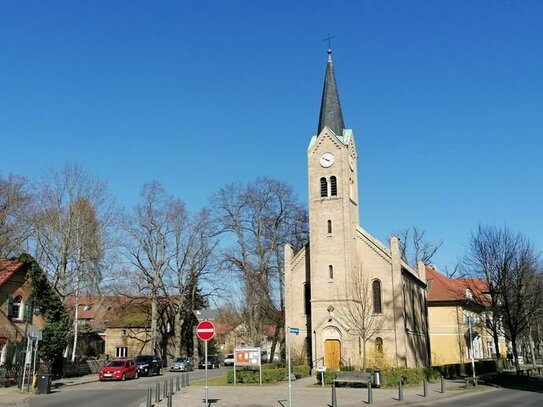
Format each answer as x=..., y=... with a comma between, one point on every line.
x=119, y=369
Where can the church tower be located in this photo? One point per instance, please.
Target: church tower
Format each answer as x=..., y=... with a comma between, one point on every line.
x=333, y=193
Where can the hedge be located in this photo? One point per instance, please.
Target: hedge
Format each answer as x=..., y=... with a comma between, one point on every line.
x=269, y=375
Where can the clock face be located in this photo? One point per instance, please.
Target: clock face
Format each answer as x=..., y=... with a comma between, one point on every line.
x=327, y=160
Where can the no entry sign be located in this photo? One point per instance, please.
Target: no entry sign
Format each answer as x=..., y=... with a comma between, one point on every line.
x=205, y=330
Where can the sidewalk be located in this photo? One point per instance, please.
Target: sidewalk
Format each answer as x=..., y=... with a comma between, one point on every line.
x=13, y=396
x=305, y=392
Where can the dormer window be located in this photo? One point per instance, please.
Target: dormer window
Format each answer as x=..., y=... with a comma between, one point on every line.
x=469, y=294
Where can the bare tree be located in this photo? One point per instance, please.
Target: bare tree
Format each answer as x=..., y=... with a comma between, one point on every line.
x=195, y=244
x=15, y=204
x=356, y=309
x=510, y=266
x=171, y=252
x=261, y=218
x=72, y=223
x=414, y=247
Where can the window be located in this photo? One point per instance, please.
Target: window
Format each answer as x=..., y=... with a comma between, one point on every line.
x=87, y=307
x=379, y=345
x=307, y=299
x=331, y=272
x=15, y=307
x=324, y=187
x=121, y=352
x=333, y=186
x=329, y=226
x=469, y=293
x=376, y=288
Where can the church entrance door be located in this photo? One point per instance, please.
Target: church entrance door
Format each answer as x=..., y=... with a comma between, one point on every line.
x=332, y=353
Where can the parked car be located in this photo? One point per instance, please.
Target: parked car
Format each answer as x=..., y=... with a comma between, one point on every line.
x=229, y=360
x=119, y=369
x=212, y=362
x=148, y=364
x=182, y=364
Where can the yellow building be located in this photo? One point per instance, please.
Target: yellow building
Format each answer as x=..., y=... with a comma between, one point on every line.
x=452, y=304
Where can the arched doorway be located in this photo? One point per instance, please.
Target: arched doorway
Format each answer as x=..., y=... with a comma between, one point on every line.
x=332, y=353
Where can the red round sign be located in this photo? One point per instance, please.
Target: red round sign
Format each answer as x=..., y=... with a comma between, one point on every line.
x=205, y=330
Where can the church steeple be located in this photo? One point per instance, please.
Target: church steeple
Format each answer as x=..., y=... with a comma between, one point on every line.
x=330, y=114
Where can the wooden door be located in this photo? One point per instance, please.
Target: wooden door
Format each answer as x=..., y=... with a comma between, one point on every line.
x=332, y=353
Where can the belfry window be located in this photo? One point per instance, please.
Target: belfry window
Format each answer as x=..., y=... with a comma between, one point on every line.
x=331, y=272
x=329, y=226
x=333, y=186
x=376, y=288
x=324, y=187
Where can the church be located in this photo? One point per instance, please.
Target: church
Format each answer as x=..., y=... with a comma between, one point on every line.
x=352, y=300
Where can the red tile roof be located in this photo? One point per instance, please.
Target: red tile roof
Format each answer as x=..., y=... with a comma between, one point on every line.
x=443, y=288
x=8, y=268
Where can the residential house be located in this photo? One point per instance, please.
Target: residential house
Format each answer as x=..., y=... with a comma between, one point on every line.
x=452, y=304
x=16, y=311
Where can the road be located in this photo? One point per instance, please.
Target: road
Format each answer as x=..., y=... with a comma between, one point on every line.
x=498, y=398
x=99, y=394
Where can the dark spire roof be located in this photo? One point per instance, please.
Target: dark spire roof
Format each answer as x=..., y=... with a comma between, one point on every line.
x=330, y=115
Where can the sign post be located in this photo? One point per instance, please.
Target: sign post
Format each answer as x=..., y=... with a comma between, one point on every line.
x=295, y=331
x=205, y=331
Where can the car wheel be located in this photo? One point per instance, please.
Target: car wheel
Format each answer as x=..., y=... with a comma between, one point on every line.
x=123, y=378
x=136, y=375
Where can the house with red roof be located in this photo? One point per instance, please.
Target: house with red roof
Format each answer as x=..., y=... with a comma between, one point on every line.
x=16, y=310
x=457, y=318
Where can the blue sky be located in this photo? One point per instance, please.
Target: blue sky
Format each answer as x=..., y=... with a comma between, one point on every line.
x=445, y=99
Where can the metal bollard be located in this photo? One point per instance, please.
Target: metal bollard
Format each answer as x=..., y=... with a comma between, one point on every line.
x=169, y=400
x=334, y=398
x=188, y=381
x=171, y=386
x=157, y=392
x=183, y=380
x=177, y=383
x=165, y=388
x=442, y=384
x=424, y=388
x=370, y=394
x=400, y=390
x=149, y=391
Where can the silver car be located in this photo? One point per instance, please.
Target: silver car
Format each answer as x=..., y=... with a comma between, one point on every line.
x=182, y=364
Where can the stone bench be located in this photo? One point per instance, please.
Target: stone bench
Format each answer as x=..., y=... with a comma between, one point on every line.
x=354, y=377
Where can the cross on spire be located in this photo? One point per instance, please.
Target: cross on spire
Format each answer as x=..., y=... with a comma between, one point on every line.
x=329, y=39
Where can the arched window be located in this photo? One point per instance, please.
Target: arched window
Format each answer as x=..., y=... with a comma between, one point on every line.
x=379, y=345
x=333, y=186
x=330, y=272
x=329, y=226
x=376, y=288
x=324, y=187
x=307, y=299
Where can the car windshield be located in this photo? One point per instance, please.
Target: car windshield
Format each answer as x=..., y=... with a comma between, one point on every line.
x=116, y=363
x=177, y=360
x=143, y=359
x=230, y=356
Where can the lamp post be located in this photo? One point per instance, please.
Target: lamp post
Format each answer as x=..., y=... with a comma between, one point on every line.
x=469, y=322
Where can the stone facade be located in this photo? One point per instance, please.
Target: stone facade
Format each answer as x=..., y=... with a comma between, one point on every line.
x=354, y=300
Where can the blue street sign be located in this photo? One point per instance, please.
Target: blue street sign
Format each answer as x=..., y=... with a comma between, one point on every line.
x=294, y=331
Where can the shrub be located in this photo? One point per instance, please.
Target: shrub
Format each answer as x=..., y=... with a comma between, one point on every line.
x=409, y=377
